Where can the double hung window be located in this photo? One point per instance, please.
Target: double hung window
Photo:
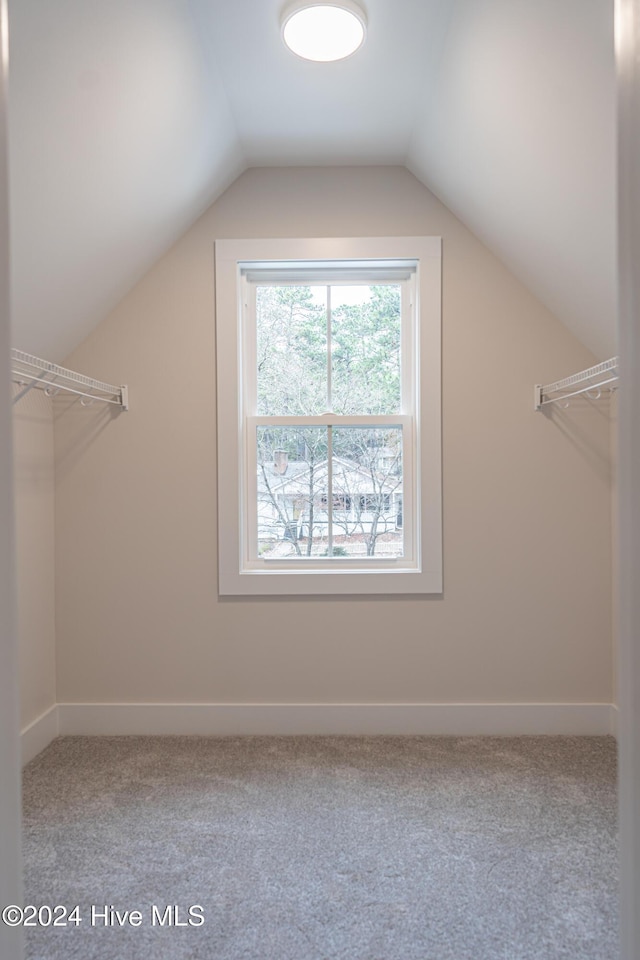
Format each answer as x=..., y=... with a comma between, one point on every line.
x=329, y=416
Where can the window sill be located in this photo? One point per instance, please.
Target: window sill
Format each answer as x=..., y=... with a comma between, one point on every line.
x=276, y=582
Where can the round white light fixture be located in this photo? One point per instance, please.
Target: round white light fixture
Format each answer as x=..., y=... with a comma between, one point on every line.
x=323, y=31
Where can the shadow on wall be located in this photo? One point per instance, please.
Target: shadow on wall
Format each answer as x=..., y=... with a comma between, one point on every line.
x=84, y=425
x=575, y=422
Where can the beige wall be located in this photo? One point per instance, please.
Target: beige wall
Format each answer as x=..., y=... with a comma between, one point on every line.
x=34, y=506
x=526, y=612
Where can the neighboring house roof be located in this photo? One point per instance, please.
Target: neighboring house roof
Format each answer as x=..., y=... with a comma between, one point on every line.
x=345, y=472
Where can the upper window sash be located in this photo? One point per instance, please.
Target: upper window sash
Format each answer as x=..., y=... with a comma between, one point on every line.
x=250, y=281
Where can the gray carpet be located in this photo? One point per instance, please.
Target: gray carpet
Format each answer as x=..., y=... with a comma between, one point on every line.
x=327, y=848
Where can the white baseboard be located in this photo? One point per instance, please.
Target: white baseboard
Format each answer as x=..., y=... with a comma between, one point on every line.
x=241, y=719
x=39, y=734
x=613, y=729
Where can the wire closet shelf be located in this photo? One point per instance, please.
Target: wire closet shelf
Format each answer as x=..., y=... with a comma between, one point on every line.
x=590, y=382
x=28, y=372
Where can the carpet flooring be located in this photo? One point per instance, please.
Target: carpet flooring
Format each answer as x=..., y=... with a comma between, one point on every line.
x=324, y=848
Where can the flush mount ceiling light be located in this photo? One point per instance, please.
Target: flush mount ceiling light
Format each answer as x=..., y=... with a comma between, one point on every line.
x=323, y=31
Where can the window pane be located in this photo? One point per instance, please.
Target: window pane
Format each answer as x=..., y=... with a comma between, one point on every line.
x=293, y=515
x=291, y=350
x=365, y=349
x=367, y=492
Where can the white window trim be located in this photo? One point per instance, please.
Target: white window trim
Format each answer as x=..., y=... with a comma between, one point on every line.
x=236, y=577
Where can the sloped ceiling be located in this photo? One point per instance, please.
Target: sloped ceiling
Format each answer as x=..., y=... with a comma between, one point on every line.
x=517, y=138
x=127, y=119
x=121, y=134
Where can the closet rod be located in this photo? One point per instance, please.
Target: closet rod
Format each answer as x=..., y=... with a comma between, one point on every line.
x=29, y=372
x=589, y=380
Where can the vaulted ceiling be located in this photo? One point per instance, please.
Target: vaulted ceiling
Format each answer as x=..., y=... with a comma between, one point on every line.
x=128, y=118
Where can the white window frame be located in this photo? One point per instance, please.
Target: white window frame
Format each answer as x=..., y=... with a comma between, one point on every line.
x=420, y=571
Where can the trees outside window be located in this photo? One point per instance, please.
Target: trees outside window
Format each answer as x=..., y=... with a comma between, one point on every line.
x=327, y=347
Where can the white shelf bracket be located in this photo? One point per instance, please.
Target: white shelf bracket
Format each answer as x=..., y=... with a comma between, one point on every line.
x=537, y=396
